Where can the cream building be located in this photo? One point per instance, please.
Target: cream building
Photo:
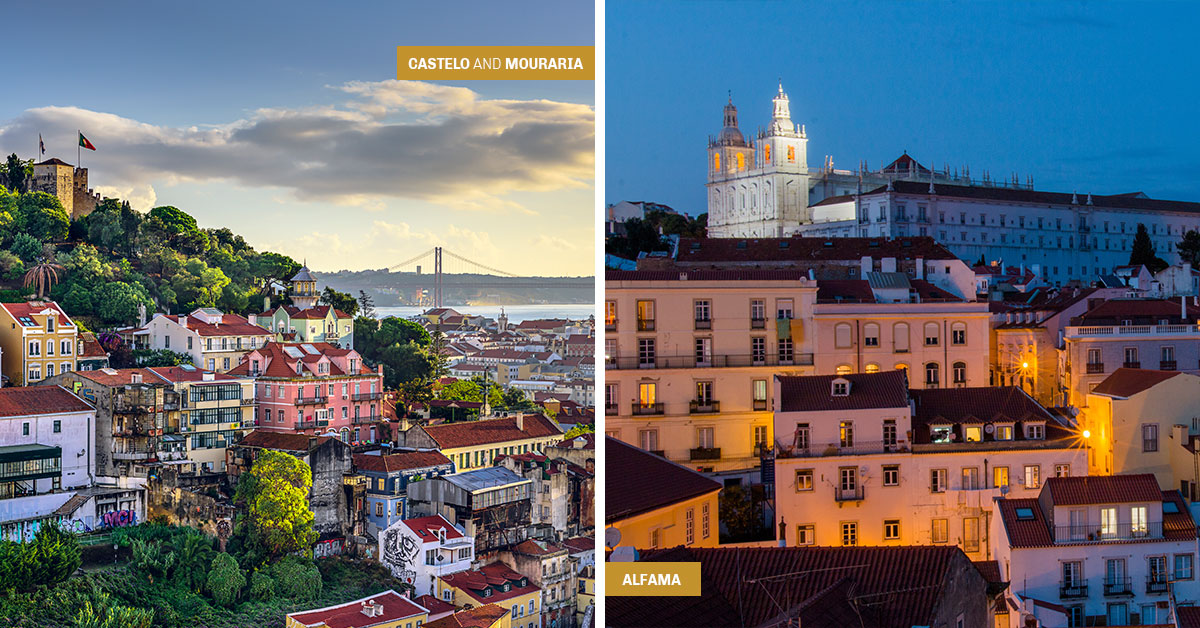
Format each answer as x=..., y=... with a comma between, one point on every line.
x=864, y=460
x=690, y=357
x=477, y=444
x=37, y=341
x=655, y=503
x=214, y=410
x=1146, y=421
x=215, y=340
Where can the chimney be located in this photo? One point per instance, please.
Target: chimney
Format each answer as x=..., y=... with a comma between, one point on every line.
x=183, y=320
x=521, y=421
x=208, y=377
x=135, y=378
x=266, y=303
x=920, y=268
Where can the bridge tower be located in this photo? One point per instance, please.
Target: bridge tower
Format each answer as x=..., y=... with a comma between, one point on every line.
x=437, y=276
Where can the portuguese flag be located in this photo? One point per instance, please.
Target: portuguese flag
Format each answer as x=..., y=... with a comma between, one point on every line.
x=84, y=143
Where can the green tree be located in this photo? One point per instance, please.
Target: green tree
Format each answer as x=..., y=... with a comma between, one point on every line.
x=1142, y=252
x=579, y=430
x=50, y=558
x=463, y=390
x=405, y=362
x=14, y=173
x=9, y=211
x=26, y=247
x=740, y=514
x=42, y=216
x=297, y=578
x=262, y=586
x=275, y=492
x=225, y=579
x=340, y=300
x=1189, y=248
x=105, y=614
x=116, y=302
x=366, y=304
x=195, y=553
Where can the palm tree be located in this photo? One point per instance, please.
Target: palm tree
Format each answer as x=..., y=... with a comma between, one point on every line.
x=42, y=275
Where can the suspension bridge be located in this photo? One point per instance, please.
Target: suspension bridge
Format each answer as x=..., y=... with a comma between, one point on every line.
x=469, y=274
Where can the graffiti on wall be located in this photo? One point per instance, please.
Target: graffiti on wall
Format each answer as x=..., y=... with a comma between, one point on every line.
x=400, y=555
x=331, y=547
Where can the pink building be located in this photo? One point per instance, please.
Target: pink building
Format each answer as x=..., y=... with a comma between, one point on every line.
x=315, y=388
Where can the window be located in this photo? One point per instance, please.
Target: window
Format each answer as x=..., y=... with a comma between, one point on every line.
x=703, y=351
x=1167, y=354
x=801, y=440
x=760, y=437
x=1131, y=357
x=960, y=372
x=783, y=309
x=431, y=557
x=760, y=394
x=971, y=534
x=1183, y=567
x=378, y=509
x=704, y=393
x=1137, y=521
x=645, y=353
x=1093, y=357
x=610, y=314
x=66, y=347
x=931, y=375
x=972, y=433
x=648, y=439
x=1108, y=522
x=25, y=429
x=690, y=526
x=35, y=348
x=1071, y=573
x=645, y=315
x=937, y=480
x=871, y=335
x=1062, y=470
x=1035, y=431
x=1118, y=613
x=704, y=519
x=1150, y=437
x=806, y=534
x=704, y=437
x=931, y=335
x=846, y=433
x=57, y=426
x=758, y=350
x=758, y=312
x=900, y=338
x=1032, y=476
x=703, y=310
x=1004, y=432
x=940, y=532
x=891, y=529
x=785, y=351
x=889, y=432
x=958, y=334
x=842, y=336
x=804, y=480
x=849, y=533
x=970, y=478
x=891, y=475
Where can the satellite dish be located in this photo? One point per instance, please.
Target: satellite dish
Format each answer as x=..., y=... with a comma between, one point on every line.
x=989, y=428
x=612, y=537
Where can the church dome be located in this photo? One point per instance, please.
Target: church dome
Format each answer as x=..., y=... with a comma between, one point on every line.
x=730, y=135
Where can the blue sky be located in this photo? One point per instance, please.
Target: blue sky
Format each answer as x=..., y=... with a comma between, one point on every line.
x=1095, y=97
x=222, y=109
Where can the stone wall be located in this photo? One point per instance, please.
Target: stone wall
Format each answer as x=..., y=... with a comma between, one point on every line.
x=186, y=507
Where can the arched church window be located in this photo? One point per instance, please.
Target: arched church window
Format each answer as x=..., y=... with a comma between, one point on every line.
x=791, y=154
x=741, y=161
x=716, y=161
x=767, y=155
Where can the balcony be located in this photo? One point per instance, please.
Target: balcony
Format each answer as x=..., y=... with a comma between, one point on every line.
x=362, y=420
x=758, y=323
x=787, y=450
x=1156, y=584
x=704, y=323
x=133, y=455
x=1073, y=590
x=760, y=404
x=610, y=324
x=309, y=425
x=705, y=453
x=1131, y=365
x=692, y=361
x=1094, y=368
x=1167, y=365
x=1131, y=330
x=645, y=325
x=374, y=396
x=855, y=494
x=611, y=409
x=1118, y=586
x=311, y=401
x=647, y=409
x=1094, y=533
x=704, y=407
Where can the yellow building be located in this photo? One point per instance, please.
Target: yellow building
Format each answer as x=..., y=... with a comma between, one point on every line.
x=37, y=341
x=656, y=503
x=494, y=584
x=214, y=410
x=486, y=616
x=475, y=444
x=1145, y=421
x=387, y=609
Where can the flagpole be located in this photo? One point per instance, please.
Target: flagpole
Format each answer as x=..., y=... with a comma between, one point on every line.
x=78, y=150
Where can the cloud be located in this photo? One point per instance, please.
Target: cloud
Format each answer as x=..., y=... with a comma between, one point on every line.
x=388, y=243
x=141, y=197
x=549, y=242
x=386, y=140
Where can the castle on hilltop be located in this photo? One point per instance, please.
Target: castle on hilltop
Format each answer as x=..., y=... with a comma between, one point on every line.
x=68, y=183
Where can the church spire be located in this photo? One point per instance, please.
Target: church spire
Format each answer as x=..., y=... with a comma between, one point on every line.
x=781, y=118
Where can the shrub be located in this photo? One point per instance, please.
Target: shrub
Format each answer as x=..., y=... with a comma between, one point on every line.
x=262, y=586
x=26, y=247
x=225, y=580
x=51, y=557
x=297, y=578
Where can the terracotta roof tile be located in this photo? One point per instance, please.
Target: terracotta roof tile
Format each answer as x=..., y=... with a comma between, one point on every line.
x=485, y=431
x=637, y=481
x=1025, y=532
x=479, y=617
x=426, y=527
x=121, y=377
x=231, y=325
x=350, y=614
x=399, y=462
x=1125, y=382
x=1103, y=489
x=474, y=581
x=282, y=441
x=888, y=389
x=29, y=308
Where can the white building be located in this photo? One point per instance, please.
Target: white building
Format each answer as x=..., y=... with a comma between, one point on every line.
x=47, y=441
x=1068, y=236
x=1112, y=549
x=418, y=551
x=863, y=460
x=215, y=340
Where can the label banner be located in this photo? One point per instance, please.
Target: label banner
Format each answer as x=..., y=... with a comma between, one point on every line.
x=658, y=579
x=496, y=63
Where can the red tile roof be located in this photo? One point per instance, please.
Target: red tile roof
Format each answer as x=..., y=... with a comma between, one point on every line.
x=350, y=614
x=121, y=377
x=1126, y=382
x=29, y=308
x=1139, y=311
x=487, y=431
x=989, y=569
x=742, y=587
x=1180, y=524
x=810, y=393
x=1033, y=532
x=474, y=582
x=1188, y=616
x=25, y=401
x=588, y=442
x=435, y=606
x=91, y=347
x=427, y=527
x=281, y=365
x=1103, y=489
x=402, y=461
x=705, y=275
x=637, y=481
x=175, y=374
x=579, y=544
x=478, y=617
x=535, y=547
x=981, y=405
x=543, y=323
x=231, y=325
x=282, y=441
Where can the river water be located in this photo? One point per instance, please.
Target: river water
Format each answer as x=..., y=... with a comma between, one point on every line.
x=516, y=313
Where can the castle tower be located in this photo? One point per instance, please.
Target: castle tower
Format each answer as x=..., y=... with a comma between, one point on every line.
x=85, y=200
x=304, y=289
x=57, y=177
x=759, y=190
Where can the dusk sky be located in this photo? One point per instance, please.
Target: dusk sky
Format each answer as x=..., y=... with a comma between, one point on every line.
x=283, y=122
x=1094, y=97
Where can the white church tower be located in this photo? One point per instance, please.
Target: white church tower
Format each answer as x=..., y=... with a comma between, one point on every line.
x=759, y=191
